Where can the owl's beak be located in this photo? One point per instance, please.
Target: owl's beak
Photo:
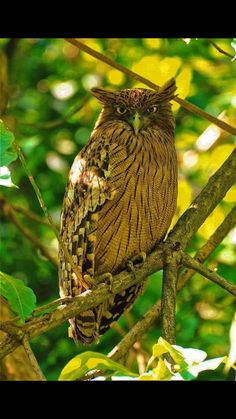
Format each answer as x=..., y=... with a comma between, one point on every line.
x=137, y=122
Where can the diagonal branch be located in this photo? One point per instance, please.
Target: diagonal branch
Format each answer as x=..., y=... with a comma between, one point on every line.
x=211, y=244
x=59, y=121
x=220, y=49
x=8, y=211
x=187, y=105
x=203, y=270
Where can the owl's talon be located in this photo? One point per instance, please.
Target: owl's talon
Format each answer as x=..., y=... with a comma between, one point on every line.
x=106, y=279
x=136, y=262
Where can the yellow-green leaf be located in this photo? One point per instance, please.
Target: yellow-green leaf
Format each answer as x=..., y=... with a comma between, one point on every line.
x=81, y=364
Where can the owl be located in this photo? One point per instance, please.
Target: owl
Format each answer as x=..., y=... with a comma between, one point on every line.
x=120, y=199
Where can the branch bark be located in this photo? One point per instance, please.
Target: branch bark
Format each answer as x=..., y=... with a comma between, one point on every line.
x=168, y=298
x=207, y=273
x=187, y=105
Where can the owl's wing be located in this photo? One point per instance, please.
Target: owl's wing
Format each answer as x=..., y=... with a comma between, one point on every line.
x=86, y=193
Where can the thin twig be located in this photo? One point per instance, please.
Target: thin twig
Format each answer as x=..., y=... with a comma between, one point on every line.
x=9, y=213
x=220, y=49
x=31, y=215
x=187, y=105
x=190, y=262
x=33, y=361
x=211, y=244
x=59, y=121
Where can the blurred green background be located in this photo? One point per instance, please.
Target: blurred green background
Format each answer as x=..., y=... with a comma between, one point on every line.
x=48, y=78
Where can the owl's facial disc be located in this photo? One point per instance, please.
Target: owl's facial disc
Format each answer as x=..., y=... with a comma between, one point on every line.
x=136, y=120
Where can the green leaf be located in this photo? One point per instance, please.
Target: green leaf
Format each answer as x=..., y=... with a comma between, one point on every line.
x=88, y=361
x=20, y=297
x=5, y=177
x=6, y=139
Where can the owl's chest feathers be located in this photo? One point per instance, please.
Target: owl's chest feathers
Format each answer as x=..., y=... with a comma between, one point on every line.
x=137, y=216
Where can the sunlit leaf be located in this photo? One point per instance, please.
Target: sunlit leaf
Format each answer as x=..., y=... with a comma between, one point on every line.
x=7, y=154
x=161, y=371
x=87, y=361
x=20, y=297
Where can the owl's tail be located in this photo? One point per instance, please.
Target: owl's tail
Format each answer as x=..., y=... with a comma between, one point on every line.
x=89, y=325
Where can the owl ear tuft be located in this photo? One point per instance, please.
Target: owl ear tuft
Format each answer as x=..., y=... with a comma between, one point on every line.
x=166, y=92
x=104, y=96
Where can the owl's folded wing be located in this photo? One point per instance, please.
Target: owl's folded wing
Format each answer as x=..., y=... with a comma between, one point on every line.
x=86, y=193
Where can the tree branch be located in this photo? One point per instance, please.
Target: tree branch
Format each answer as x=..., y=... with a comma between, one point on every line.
x=211, y=244
x=187, y=105
x=59, y=121
x=220, y=49
x=33, y=361
x=203, y=270
x=9, y=213
x=30, y=214
x=169, y=289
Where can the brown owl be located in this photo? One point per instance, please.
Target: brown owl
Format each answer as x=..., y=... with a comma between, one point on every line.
x=120, y=198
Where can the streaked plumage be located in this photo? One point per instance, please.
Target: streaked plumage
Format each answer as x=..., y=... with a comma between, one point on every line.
x=120, y=198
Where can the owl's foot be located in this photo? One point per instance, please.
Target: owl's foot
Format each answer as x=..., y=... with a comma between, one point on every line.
x=106, y=279
x=136, y=262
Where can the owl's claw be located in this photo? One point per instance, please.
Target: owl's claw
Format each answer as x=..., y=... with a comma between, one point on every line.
x=136, y=262
x=106, y=279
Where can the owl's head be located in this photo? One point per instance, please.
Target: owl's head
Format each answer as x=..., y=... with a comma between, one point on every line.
x=139, y=108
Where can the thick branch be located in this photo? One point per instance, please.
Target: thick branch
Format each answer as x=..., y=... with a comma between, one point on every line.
x=168, y=298
x=187, y=105
x=205, y=202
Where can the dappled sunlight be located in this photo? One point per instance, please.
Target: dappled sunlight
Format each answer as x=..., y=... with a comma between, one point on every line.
x=64, y=90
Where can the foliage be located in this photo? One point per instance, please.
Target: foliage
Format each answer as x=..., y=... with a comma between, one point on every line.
x=6, y=156
x=188, y=364
x=22, y=299
x=48, y=80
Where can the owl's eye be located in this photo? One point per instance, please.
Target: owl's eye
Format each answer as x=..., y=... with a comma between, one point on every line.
x=121, y=110
x=152, y=109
